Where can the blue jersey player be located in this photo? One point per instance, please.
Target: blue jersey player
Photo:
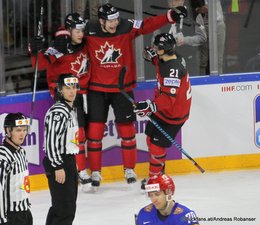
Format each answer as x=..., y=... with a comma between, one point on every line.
x=164, y=210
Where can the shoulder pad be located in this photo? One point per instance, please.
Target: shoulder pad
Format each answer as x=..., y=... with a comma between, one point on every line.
x=148, y=208
x=53, y=51
x=178, y=210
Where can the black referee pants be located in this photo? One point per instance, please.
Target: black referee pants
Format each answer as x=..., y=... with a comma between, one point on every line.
x=63, y=196
x=20, y=218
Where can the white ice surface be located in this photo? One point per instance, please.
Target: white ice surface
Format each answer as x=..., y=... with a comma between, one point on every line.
x=221, y=195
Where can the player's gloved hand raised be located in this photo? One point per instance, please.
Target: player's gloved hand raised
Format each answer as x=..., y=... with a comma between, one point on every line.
x=149, y=54
x=145, y=108
x=62, y=40
x=178, y=13
x=36, y=44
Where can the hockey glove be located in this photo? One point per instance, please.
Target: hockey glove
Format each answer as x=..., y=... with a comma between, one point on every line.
x=62, y=40
x=149, y=54
x=178, y=13
x=145, y=108
x=36, y=44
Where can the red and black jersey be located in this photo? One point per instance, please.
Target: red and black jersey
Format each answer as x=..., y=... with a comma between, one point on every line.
x=110, y=52
x=76, y=63
x=55, y=63
x=173, y=98
x=45, y=58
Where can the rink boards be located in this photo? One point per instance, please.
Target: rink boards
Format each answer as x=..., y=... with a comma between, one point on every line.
x=223, y=131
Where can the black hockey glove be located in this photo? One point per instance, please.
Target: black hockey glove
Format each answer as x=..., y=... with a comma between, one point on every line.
x=149, y=54
x=145, y=108
x=62, y=40
x=178, y=13
x=36, y=44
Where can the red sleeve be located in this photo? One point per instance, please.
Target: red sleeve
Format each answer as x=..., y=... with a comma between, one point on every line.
x=43, y=61
x=153, y=23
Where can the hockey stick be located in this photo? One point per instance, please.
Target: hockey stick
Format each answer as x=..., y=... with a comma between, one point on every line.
x=132, y=12
x=249, y=13
x=121, y=88
x=158, y=7
x=181, y=22
x=39, y=32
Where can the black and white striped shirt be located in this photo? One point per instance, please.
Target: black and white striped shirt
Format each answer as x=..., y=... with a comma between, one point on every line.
x=60, y=133
x=14, y=181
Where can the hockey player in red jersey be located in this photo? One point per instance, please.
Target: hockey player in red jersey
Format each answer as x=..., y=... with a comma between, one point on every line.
x=110, y=42
x=163, y=209
x=69, y=55
x=171, y=106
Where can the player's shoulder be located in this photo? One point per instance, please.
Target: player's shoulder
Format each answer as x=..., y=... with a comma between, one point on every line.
x=185, y=213
x=6, y=154
x=59, y=109
x=180, y=208
x=146, y=214
x=147, y=209
x=126, y=25
x=136, y=24
x=51, y=51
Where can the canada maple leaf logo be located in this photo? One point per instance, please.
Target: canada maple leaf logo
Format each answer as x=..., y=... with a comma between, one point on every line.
x=80, y=65
x=108, y=54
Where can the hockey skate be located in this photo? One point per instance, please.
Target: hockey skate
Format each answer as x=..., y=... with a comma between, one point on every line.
x=96, y=178
x=84, y=178
x=130, y=176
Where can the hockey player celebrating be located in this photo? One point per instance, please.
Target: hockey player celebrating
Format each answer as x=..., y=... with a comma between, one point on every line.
x=163, y=209
x=60, y=146
x=69, y=55
x=14, y=174
x=171, y=105
x=110, y=43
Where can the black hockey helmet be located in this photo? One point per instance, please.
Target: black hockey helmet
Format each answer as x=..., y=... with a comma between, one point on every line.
x=68, y=80
x=108, y=12
x=15, y=120
x=166, y=42
x=74, y=21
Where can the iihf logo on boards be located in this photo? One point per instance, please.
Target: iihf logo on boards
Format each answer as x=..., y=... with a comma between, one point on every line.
x=108, y=54
x=257, y=120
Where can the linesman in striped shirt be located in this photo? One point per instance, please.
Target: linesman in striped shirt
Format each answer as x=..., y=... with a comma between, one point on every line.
x=14, y=174
x=60, y=146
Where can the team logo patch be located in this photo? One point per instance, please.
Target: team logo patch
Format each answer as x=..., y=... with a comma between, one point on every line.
x=53, y=51
x=76, y=139
x=172, y=82
x=108, y=54
x=80, y=65
x=178, y=210
x=148, y=208
x=173, y=91
x=137, y=24
x=26, y=184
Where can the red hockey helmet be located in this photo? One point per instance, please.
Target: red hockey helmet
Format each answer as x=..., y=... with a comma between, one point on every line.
x=161, y=182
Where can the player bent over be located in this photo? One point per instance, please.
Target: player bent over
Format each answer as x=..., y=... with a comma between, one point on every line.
x=171, y=106
x=163, y=209
x=61, y=146
x=14, y=175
